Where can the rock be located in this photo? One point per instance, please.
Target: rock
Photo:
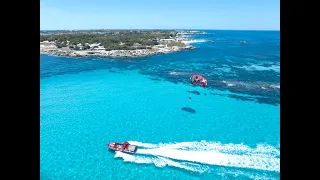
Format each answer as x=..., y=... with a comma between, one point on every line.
x=116, y=53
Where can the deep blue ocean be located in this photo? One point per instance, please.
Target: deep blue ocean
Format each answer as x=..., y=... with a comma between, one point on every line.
x=229, y=130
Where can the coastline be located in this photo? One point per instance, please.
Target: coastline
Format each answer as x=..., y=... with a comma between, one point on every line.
x=114, y=53
x=51, y=48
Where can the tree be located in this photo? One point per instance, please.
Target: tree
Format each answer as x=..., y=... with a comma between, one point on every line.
x=110, y=39
x=86, y=47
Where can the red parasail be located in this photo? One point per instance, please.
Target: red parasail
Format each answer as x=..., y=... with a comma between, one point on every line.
x=197, y=79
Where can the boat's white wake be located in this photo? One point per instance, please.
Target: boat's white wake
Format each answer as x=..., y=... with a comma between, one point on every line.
x=161, y=162
x=197, y=156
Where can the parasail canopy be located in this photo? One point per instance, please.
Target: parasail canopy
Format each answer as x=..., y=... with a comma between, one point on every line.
x=197, y=79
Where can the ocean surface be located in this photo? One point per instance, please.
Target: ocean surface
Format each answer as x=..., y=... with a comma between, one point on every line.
x=229, y=130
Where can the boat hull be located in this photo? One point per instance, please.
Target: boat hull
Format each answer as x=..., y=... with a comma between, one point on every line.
x=119, y=147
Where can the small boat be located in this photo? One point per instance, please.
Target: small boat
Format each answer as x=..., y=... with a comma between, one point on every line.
x=124, y=147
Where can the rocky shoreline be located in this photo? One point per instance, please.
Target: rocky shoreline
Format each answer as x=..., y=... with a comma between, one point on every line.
x=175, y=43
x=113, y=53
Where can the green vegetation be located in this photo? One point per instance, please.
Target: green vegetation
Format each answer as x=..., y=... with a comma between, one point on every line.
x=179, y=44
x=109, y=39
x=86, y=47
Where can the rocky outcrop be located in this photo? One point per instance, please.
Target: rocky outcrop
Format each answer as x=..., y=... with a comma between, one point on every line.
x=115, y=53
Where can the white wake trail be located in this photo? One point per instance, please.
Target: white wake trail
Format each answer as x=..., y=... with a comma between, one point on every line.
x=217, y=158
x=196, y=156
x=161, y=162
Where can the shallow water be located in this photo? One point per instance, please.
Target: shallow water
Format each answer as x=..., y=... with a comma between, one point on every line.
x=87, y=103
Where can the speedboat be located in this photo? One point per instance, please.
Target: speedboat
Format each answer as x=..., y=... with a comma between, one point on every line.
x=123, y=147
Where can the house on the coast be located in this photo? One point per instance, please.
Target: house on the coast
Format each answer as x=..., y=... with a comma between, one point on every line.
x=99, y=48
x=47, y=43
x=160, y=46
x=166, y=40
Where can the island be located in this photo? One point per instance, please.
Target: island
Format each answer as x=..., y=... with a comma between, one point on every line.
x=113, y=43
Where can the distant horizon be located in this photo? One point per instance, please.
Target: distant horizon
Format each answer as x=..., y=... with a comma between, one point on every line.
x=159, y=29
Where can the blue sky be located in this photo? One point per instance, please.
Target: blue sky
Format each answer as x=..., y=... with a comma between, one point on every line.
x=160, y=14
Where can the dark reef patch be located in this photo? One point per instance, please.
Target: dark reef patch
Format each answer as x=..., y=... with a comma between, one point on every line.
x=271, y=101
x=194, y=92
x=190, y=110
x=262, y=100
x=155, y=79
x=243, y=98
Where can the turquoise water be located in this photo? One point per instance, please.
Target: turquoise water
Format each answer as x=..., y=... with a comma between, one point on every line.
x=87, y=103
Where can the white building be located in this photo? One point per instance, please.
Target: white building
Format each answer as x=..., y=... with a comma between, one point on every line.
x=99, y=48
